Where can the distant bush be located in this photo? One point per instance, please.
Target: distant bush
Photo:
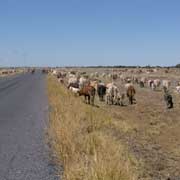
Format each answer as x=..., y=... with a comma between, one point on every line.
x=178, y=66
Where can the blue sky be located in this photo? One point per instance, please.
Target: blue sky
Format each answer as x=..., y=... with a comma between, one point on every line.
x=89, y=32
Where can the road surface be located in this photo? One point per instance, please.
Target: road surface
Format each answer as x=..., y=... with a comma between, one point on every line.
x=23, y=119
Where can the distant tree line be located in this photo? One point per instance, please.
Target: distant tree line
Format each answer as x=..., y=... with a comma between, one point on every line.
x=116, y=66
x=177, y=66
x=121, y=66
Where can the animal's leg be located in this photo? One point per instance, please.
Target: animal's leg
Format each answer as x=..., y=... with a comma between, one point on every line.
x=170, y=104
x=102, y=97
x=85, y=98
x=92, y=100
x=107, y=100
x=121, y=103
x=112, y=102
x=131, y=100
x=88, y=99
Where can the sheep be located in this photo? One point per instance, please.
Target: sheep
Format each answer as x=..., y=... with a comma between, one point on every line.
x=113, y=95
x=156, y=83
x=166, y=84
x=82, y=82
x=149, y=82
x=75, y=91
x=178, y=89
x=119, y=98
x=73, y=82
x=54, y=72
x=110, y=93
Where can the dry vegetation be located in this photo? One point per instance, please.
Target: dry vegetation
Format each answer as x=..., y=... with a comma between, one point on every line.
x=113, y=143
x=82, y=141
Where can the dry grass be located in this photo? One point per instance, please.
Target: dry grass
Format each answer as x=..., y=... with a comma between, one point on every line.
x=81, y=137
x=111, y=142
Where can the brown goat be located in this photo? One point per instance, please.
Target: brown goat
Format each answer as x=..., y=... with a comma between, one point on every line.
x=89, y=94
x=131, y=93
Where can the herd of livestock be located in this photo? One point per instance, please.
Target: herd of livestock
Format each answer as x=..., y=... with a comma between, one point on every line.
x=83, y=84
x=8, y=71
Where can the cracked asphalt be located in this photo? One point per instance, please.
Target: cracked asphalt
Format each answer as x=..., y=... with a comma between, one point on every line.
x=24, y=154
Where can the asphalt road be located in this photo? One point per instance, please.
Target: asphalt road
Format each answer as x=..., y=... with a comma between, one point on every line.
x=24, y=154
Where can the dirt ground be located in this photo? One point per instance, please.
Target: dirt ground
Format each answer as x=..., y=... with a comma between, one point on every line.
x=155, y=136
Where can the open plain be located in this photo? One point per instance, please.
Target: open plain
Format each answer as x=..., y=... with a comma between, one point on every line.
x=139, y=141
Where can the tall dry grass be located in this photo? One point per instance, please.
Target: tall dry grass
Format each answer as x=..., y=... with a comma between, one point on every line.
x=80, y=139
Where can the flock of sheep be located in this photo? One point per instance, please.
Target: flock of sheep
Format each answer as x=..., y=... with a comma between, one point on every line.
x=8, y=71
x=87, y=85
